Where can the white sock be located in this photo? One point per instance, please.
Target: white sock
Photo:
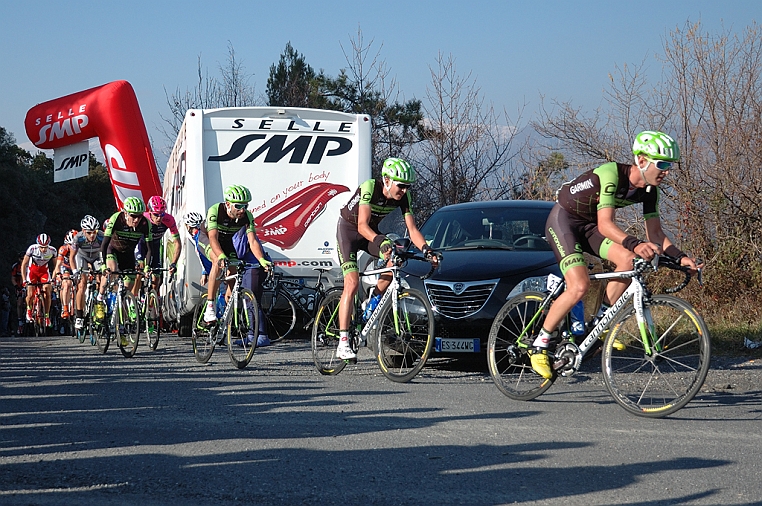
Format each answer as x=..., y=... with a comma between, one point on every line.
x=543, y=339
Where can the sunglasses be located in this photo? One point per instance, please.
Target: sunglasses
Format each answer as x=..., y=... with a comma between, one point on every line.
x=661, y=164
x=403, y=186
x=157, y=215
x=89, y=232
x=241, y=206
x=134, y=216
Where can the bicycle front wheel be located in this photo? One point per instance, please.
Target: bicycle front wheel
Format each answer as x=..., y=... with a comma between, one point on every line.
x=325, y=336
x=280, y=314
x=243, y=323
x=202, y=335
x=100, y=330
x=128, y=328
x=152, y=319
x=404, y=339
x=658, y=377
x=507, y=352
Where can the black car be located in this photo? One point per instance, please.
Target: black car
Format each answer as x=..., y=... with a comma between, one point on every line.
x=492, y=251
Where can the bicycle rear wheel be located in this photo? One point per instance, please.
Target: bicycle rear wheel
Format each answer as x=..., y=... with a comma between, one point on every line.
x=128, y=328
x=507, y=357
x=100, y=330
x=280, y=314
x=325, y=336
x=405, y=339
x=657, y=381
x=202, y=336
x=243, y=323
x=152, y=319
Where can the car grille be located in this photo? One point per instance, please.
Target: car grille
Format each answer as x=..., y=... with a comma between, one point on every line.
x=459, y=299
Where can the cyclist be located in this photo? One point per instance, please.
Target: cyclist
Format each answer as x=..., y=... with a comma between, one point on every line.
x=64, y=272
x=126, y=228
x=86, y=250
x=358, y=230
x=583, y=221
x=35, y=269
x=17, y=280
x=223, y=220
x=194, y=224
x=161, y=221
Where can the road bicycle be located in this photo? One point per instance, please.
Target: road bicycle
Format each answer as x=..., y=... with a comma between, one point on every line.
x=400, y=329
x=238, y=322
x=121, y=322
x=37, y=324
x=150, y=310
x=282, y=298
x=655, y=355
x=91, y=292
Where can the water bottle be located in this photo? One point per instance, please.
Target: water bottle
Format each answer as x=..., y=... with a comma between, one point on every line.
x=220, y=310
x=372, y=304
x=110, y=301
x=578, y=319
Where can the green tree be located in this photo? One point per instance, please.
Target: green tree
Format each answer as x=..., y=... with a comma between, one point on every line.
x=294, y=83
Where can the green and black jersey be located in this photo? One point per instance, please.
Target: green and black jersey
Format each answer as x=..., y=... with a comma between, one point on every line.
x=122, y=238
x=371, y=193
x=606, y=186
x=217, y=218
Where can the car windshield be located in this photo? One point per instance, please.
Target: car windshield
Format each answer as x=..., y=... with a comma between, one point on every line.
x=487, y=228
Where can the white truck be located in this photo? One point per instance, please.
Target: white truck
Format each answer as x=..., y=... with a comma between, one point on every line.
x=301, y=166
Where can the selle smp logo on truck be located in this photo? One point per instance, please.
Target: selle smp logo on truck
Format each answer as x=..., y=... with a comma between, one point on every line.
x=276, y=148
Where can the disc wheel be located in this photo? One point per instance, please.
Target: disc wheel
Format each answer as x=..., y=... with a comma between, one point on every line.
x=201, y=334
x=658, y=378
x=242, y=328
x=280, y=314
x=128, y=328
x=152, y=319
x=507, y=357
x=325, y=336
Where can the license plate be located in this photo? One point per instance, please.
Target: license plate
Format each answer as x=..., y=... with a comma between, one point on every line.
x=450, y=345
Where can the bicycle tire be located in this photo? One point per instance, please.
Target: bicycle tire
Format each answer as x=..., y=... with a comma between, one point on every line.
x=242, y=328
x=101, y=330
x=128, y=330
x=280, y=314
x=404, y=341
x=658, y=383
x=170, y=304
x=39, y=318
x=507, y=358
x=325, y=336
x=201, y=334
x=152, y=320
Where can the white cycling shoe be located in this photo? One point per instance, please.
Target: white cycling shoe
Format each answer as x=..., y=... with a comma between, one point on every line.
x=344, y=352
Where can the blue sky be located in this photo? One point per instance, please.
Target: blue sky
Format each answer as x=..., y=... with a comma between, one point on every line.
x=516, y=51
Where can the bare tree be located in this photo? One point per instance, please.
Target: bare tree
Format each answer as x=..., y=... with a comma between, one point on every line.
x=466, y=153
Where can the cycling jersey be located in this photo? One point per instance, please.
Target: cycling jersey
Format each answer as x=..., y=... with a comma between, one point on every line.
x=40, y=255
x=63, y=257
x=217, y=218
x=87, y=252
x=120, y=240
x=606, y=186
x=371, y=193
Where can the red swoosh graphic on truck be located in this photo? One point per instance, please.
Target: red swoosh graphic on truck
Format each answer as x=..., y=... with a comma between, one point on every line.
x=302, y=207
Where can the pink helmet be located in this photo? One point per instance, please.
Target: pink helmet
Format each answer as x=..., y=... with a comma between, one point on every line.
x=156, y=204
x=43, y=240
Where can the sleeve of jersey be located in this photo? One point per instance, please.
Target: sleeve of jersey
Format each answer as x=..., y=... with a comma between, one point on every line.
x=211, y=217
x=172, y=226
x=250, y=227
x=651, y=204
x=110, y=228
x=407, y=205
x=608, y=178
x=366, y=192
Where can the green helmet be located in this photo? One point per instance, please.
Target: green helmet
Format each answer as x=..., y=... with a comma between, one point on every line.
x=134, y=205
x=656, y=145
x=398, y=169
x=237, y=194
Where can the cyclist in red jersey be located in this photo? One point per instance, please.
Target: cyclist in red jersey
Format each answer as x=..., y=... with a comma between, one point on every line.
x=34, y=268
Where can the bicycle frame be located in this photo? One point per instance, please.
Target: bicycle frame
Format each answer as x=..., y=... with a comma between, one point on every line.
x=238, y=279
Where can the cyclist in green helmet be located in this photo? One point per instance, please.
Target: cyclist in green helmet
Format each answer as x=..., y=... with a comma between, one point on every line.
x=223, y=221
x=358, y=230
x=126, y=228
x=583, y=220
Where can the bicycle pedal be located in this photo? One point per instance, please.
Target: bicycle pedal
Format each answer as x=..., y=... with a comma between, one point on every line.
x=352, y=361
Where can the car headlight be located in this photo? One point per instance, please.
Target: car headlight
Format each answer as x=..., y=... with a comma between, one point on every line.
x=533, y=284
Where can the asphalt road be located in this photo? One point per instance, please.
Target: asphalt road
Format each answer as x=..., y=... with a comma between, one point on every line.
x=78, y=427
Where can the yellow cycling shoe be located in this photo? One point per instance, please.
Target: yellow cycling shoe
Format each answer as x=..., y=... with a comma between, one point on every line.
x=618, y=345
x=540, y=362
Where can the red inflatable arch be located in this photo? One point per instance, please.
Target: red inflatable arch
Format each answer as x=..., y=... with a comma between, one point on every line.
x=111, y=113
